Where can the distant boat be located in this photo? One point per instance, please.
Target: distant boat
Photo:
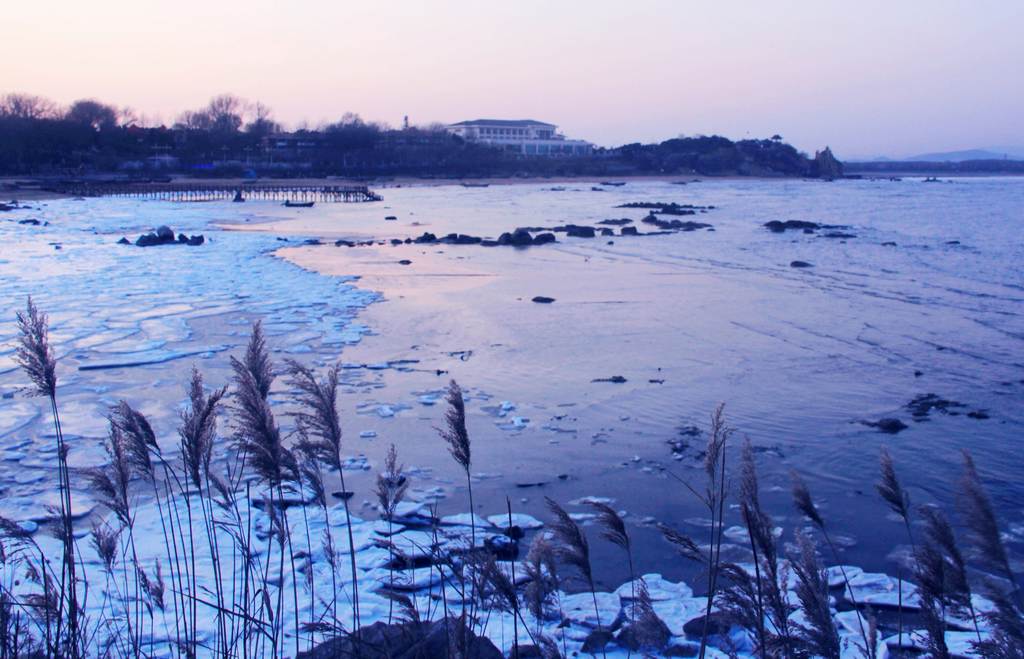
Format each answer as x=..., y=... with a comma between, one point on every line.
x=298, y=204
x=475, y=185
x=614, y=184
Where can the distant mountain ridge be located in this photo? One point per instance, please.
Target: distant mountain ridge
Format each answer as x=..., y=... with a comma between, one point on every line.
x=996, y=153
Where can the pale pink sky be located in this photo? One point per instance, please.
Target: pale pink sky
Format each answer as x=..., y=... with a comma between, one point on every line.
x=867, y=77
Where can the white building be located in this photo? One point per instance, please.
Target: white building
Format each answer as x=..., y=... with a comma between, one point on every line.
x=523, y=136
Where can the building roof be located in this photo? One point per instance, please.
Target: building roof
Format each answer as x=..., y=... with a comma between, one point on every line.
x=518, y=123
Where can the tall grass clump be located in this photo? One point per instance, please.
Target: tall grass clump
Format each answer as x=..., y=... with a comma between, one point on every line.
x=259, y=439
x=36, y=358
x=1007, y=618
x=319, y=421
x=805, y=505
x=572, y=548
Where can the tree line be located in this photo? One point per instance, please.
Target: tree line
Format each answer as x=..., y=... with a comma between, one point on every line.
x=230, y=136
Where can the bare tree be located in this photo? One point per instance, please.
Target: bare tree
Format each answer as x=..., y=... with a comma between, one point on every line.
x=225, y=113
x=27, y=106
x=262, y=123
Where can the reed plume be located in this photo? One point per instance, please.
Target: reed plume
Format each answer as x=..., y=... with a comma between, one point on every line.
x=980, y=518
x=198, y=429
x=34, y=354
x=819, y=634
x=542, y=576
x=805, y=504
x=36, y=358
x=319, y=420
x=613, y=529
x=892, y=492
x=571, y=547
x=259, y=439
x=456, y=436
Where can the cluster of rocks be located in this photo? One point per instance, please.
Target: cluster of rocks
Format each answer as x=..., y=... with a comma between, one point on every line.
x=921, y=407
x=778, y=226
x=164, y=235
x=670, y=208
x=675, y=225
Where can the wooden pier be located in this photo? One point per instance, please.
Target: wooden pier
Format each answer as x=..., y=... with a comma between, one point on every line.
x=212, y=191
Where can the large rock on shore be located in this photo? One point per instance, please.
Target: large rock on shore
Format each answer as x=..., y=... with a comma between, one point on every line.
x=408, y=640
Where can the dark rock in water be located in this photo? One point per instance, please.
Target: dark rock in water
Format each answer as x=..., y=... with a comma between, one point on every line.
x=838, y=234
x=980, y=415
x=196, y=241
x=775, y=226
x=607, y=232
x=124, y=241
x=519, y=237
x=677, y=225
x=617, y=223
x=405, y=262
x=346, y=243
x=615, y=379
x=800, y=264
x=342, y=494
x=922, y=406
x=406, y=640
x=164, y=235
x=461, y=239
x=147, y=240
x=544, y=238
x=918, y=374
x=629, y=231
x=514, y=532
x=890, y=426
x=503, y=547
x=396, y=241
x=390, y=217
x=312, y=241
x=427, y=237
x=888, y=243
x=31, y=221
x=577, y=231
x=540, y=299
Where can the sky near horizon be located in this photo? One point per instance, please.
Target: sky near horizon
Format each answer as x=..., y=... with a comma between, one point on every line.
x=869, y=78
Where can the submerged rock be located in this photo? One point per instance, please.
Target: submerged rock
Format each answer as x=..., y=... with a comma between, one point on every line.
x=800, y=264
x=890, y=426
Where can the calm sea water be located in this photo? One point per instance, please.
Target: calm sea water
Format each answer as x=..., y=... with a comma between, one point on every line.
x=801, y=357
